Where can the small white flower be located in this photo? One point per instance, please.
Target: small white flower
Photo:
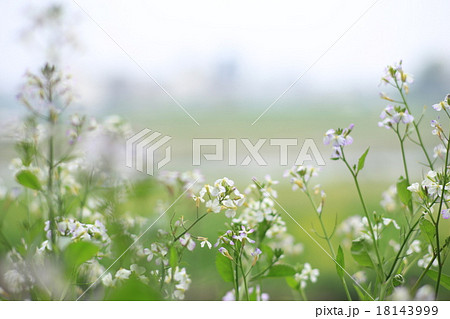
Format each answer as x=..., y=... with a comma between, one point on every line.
x=213, y=206
x=439, y=151
x=122, y=274
x=148, y=253
x=107, y=280
x=414, y=247
x=443, y=104
x=414, y=188
x=204, y=241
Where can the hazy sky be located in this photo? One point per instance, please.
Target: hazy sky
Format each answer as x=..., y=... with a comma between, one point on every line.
x=271, y=43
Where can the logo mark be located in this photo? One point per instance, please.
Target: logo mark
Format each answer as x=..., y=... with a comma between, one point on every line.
x=141, y=146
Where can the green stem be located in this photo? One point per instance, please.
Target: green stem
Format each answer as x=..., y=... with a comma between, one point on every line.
x=190, y=227
x=416, y=285
x=327, y=238
x=236, y=277
x=50, y=186
x=245, y=281
x=372, y=233
x=438, y=247
x=302, y=293
x=416, y=127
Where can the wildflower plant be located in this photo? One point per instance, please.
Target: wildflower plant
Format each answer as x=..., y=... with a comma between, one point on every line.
x=79, y=241
x=424, y=204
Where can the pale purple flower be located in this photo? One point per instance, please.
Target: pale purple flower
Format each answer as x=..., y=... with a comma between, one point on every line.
x=187, y=242
x=243, y=235
x=256, y=252
x=445, y=214
x=443, y=104
x=393, y=115
x=338, y=139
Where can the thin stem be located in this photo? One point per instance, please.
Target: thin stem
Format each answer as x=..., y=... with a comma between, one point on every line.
x=321, y=224
x=438, y=280
x=327, y=238
x=302, y=293
x=355, y=179
x=236, y=277
x=416, y=127
x=416, y=285
x=245, y=281
x=193, y=224
x=401, y=249
x=50, y=185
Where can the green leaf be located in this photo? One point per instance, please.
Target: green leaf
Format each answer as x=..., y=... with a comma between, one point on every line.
x=361, y=294
x=362, y=159
x=402, y=190
x=78, y=253
x=28, y=179
x=267, y=252
x=445, y=279
x=225, y=268
x=428, y=229
x=360, y=252
x=281, y=270
x=294, y=284
x=134, y=290
x=340, y=261
x=173, y=258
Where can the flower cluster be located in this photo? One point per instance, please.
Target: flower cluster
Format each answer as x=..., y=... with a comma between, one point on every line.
x=395, y=76
x=307, y=274
x=300, y=176
x=392, y=116
x=158, y=251
x=222, y=196
x=338, y=139
x=77, y=231
x=431, y=187
x=180, y=281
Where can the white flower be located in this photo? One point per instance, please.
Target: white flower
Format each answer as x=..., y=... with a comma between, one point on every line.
x=425, y=293
x=213, y=206
x=360, y=277
x=388, y=202
x=137, y=269
x=204, y=241
x=414, y=188
x=444, y=104
x=414, y=247
x=15, y=281
x=122, y=274
x=180, y=279
x=148, y=253
x=300, y=175
x=75, y=120
x=439, y=151
x=387, y=221
x=107, y=280
x=426, y=259
x=400, y=293
x=307, y=274
x=187, y=242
